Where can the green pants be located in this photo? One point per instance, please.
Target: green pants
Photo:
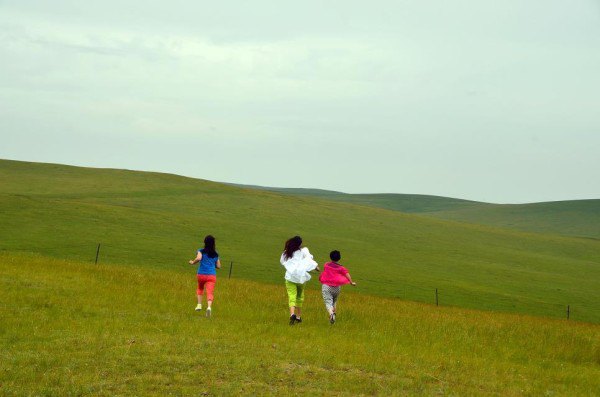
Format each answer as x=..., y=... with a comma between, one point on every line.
x=295, y=293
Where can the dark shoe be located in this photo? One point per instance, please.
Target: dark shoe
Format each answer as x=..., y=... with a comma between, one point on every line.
x=292, y=319
x=298, y=320
x=332, y=318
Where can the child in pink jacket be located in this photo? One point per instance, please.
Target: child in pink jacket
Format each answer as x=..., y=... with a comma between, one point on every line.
x=333, y=277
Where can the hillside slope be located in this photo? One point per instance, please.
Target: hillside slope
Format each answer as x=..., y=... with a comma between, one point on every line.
x=410, y=203
x=70, y=328
x=159, y=220
x=578, y=218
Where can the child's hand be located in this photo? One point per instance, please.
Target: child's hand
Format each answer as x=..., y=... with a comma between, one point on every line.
x=353, y=284
x=191, y=262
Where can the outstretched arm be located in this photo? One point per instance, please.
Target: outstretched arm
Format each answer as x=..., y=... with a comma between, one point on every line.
x=198, y=258
x=350, y=279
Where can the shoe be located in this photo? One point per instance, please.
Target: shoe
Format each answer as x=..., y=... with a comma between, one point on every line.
x=208, y=312
x=198, y=307
x=332, y=318
x=292, y=319
x=298, y=320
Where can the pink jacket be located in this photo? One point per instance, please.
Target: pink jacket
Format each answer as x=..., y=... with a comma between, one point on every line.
x=334, y=275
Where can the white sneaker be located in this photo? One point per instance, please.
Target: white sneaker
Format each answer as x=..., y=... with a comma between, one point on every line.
x=198, y=307
x=208, y=312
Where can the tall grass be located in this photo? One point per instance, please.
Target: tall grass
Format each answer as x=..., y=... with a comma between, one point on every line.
x=72, y=328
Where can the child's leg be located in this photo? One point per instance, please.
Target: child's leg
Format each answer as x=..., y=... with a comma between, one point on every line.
x=210, y=288
x=335, y=294
x=299, y=299
x=327, y=298
x=292, y=295
x=200, y=289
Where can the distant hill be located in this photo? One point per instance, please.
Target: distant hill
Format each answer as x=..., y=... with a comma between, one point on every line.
x=410, y=203
x=159, y=220
x=579, y=218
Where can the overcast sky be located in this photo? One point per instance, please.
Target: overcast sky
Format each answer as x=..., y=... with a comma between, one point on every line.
x=487, y=100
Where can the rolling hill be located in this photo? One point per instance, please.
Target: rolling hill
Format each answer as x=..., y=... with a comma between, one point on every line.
x=578, y=218
x=409, y=203
x=158, y=220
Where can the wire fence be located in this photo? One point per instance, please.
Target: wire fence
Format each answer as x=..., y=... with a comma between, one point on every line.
x=444, y=294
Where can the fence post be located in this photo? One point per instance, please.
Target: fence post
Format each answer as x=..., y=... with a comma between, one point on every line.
x=436, y=297
x=97, y=253
x=230, y=267
x=568, y=311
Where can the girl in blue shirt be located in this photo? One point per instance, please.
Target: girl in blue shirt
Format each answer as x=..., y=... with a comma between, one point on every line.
x=207, y=272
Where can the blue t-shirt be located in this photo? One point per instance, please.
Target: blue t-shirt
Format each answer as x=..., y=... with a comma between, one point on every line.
x=208, y=266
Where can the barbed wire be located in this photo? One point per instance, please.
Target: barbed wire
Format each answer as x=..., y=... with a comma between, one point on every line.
x=443, y=295
x=38, y=248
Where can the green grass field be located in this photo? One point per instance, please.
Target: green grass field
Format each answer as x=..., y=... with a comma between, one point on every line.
x=72, y=328
x=158, y=220
x=578, y=218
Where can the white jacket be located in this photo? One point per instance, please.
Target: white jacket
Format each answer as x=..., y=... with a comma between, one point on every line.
x=298, y=266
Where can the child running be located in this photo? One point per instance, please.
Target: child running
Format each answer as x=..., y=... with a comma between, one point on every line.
x=207, y=272
x=333, y=277
x=297, y=262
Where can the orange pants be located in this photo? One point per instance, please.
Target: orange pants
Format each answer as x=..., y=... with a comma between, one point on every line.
x=206, y=281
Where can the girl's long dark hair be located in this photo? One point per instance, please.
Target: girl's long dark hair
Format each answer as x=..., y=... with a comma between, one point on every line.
x=291, y=246
x=209, y=246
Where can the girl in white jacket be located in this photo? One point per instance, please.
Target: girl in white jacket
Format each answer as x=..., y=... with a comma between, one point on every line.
x=297, y=262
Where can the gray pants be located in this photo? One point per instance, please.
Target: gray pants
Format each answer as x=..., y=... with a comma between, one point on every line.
x=330, y=296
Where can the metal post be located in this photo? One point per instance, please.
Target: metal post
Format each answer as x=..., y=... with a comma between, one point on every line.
x=436, y=297
x=230, y=267
x=568, y=311
x=97, y=252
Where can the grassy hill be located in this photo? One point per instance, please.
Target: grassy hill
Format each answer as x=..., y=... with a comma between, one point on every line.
x=410, y=203
x=158, y=220
x=579, y=218
x=72, y=328
x=574, y=218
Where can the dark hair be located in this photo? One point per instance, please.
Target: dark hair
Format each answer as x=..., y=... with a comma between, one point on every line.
x=209, y=246
x=335, y=255
x=291, y=246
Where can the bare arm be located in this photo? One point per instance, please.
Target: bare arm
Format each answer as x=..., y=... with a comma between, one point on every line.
x=350, y=279
x=198, y=258
x=218, y=263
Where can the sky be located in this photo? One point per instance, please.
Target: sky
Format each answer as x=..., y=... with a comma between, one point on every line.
x=487, y=100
